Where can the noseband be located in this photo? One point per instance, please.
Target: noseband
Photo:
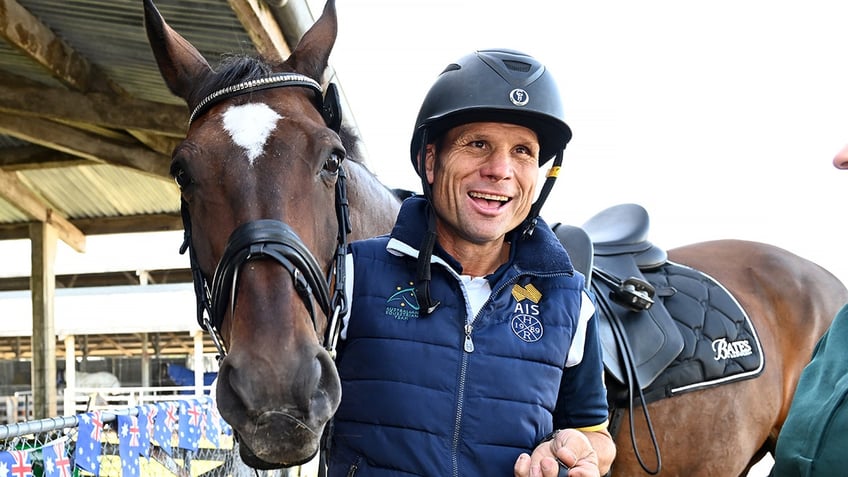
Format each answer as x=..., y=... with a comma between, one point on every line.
x=273, y=239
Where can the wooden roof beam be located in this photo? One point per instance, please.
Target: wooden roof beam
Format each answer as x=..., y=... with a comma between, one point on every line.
x=32, y=157
x=106, y=225
x=17, y=194
x=86, y=144
x=259, y=23
x=101, y=109
x=25, y=31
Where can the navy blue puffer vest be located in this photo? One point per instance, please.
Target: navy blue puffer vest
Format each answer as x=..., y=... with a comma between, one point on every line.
x=451, y=394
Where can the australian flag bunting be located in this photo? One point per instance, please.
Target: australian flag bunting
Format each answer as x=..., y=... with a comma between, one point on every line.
x=56, y=462
x=15, y=464
x=214, y=424
x=165, y=422
x=87, y=452
x=146, y=424
x=129, y=445
x=191, y=415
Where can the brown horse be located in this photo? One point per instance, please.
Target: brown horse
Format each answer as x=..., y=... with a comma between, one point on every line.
x=277, y=188
x=265, y=210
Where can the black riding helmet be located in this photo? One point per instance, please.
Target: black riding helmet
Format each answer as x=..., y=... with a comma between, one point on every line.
x=500, y=85
x=494, y=86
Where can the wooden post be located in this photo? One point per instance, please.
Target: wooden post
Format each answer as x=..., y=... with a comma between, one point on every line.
x=145, y=362
x=43, y=238
x=198, y=362
x=70, y=375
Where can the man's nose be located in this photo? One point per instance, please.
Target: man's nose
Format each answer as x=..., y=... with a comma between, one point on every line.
x=841, y=159
x=500, y=165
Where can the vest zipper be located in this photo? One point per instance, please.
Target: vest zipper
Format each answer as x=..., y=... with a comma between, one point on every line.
x=469, y=345
x=353, y=467
x=460, y=400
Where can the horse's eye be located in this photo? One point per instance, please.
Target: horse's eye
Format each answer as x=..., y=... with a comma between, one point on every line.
x=333, y=162
x=180, y=175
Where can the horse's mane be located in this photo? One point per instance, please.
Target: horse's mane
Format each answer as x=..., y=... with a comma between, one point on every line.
x=234, y=69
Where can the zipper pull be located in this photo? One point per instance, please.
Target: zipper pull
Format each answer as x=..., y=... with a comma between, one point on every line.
x=469, y=345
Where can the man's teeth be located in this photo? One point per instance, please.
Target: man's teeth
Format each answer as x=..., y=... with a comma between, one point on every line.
x=480, y=195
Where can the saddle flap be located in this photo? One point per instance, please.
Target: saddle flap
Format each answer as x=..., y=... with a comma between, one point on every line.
x=641, y=344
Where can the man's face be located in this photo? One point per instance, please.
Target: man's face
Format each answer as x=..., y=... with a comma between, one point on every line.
x=483, y=181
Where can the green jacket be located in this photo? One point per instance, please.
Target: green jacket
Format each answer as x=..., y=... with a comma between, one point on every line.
x=814, y=439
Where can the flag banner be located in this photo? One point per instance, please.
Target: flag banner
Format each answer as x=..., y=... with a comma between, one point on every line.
x=87, y=453
x=164, y=424
x=56, y=461
x=146, y=425
x=129, y=445
x=191, y=415
x=214, y=424
x=15, y=464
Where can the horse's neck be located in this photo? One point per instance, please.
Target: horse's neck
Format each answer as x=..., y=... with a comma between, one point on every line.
x=373, y=206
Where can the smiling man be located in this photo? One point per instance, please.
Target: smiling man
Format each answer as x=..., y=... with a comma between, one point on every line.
x=471, y=346
x=484, y=183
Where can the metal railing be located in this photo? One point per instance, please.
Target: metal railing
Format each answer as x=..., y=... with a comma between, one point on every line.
x=33, y=436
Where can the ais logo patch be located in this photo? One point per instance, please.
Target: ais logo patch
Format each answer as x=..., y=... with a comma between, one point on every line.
x=525, y=323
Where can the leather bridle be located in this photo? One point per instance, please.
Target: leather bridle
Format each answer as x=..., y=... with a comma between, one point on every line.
x=274, y=239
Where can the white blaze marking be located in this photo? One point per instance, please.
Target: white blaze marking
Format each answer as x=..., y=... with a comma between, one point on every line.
x=249, y=126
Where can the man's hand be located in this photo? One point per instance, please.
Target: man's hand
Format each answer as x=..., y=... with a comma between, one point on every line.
x=570, y=451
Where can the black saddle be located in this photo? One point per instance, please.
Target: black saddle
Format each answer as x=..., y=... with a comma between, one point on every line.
x=665, y=328
x=612, y=248
x=654, y=312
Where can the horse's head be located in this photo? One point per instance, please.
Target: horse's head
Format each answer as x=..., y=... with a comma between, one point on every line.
x=259, y=172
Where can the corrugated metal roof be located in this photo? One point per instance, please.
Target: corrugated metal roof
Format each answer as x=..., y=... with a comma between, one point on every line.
x=102, y=190
x=108, y=36
x=111, y=34
x=61, y=61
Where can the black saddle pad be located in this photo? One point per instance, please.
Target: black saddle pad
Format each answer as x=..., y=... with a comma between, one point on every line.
x=720, y=344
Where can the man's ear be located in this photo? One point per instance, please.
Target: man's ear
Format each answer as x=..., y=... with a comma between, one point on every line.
x=429, y=162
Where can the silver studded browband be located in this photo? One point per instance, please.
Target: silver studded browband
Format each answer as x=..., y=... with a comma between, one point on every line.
x=282, y=79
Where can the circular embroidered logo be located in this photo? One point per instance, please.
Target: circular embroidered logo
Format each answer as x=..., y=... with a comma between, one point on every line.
x=519, y=97
x=527, y=328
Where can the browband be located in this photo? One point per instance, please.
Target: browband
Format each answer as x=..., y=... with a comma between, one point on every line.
x=282, y=79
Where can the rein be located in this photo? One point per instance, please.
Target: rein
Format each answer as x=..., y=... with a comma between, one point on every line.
x=274, y=239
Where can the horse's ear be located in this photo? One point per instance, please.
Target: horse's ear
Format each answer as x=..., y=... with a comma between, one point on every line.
x=312, y=53
x=179, y=61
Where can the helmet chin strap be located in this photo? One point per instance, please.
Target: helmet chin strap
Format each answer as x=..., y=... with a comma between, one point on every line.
x=425, y=251
x=533, y=216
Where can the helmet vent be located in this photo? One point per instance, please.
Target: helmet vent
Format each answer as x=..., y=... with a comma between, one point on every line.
x=519, y=66
x=451, y=67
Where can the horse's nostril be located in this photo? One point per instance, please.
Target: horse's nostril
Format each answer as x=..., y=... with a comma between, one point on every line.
x=328, y=392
